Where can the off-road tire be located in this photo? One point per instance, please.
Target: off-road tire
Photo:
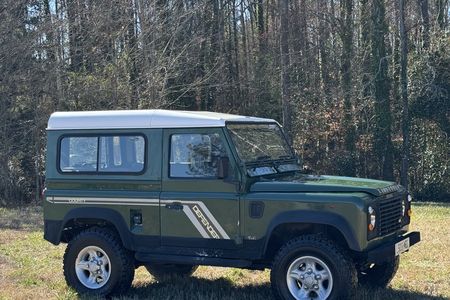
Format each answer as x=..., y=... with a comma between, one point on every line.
x=336, y=259
x=169, y=272
x=379, y=276
x=122, y=262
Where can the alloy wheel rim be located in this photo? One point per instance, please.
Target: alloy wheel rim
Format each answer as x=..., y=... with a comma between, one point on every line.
x=308, y=277
x=93, y=267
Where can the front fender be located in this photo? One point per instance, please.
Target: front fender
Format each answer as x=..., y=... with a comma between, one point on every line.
x=312, y=217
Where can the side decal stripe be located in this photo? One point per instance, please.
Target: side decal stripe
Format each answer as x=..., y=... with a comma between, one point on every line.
x=106, y=203
x=214, y=221
x=111, y=201
x=194, y=221
x=206, y=211
x=153, y=202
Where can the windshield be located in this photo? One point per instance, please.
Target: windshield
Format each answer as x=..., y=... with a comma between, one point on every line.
x=259, y=142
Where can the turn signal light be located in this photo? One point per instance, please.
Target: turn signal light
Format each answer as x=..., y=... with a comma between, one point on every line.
x=371, y=227
x=409, y=212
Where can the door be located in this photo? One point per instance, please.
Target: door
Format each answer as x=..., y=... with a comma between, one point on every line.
x=198, y=209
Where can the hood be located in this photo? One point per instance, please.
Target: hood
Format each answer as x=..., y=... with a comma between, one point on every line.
x=313, y=183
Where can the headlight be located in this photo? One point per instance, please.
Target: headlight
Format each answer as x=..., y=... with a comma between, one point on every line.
x=372, y=218
x=409, y=205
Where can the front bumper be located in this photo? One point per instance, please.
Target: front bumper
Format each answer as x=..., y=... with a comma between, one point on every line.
x=386, y=252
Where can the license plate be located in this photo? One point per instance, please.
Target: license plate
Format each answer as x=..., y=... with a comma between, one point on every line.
x=401, y=246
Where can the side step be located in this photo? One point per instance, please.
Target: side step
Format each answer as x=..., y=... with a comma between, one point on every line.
x=191, y=260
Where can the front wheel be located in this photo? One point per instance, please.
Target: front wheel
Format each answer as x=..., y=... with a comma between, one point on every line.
x=312, y=267
x=96, y=264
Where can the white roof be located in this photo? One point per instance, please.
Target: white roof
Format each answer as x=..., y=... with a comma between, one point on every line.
x=154, y=118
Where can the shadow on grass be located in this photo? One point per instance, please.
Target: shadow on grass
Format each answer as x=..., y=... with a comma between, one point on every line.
x=391, y=294
x=203, y=289
x=27, y=218
x=199, y=288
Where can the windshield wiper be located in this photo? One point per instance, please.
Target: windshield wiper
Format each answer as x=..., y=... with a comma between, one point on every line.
x=263, y=157
x=269, y=159
x=283, y=157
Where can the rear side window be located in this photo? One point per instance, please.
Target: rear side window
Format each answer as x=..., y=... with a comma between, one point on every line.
x=122, y=154
x=104, y=154
x=78, y=154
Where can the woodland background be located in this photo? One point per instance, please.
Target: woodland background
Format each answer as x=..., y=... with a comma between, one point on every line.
x=361, y=86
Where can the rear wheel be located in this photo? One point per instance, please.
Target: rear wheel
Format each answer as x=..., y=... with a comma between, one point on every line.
x=167, y=272
x=312, y=267
x=96, y=264
x=379, y=275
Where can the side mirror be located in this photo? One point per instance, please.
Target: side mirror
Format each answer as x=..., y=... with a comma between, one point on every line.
x=223, y=168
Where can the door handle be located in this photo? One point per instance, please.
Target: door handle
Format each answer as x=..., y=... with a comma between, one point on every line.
x=175, y=206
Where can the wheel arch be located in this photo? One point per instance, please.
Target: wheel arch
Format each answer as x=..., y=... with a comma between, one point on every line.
x=80, y=218
x=288, y=225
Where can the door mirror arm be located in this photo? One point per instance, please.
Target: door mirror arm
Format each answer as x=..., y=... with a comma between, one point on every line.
x=223, y=172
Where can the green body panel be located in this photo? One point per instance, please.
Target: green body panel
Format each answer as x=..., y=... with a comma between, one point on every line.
x=150, y=215
x=140, y=186
x=206, y=211
x=220, y=197
x=223, y=206
x=309, y=183
x=348, y=206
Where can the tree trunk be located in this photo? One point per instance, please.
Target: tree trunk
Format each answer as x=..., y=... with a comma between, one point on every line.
x=75, y=37
x=231, y=78
x=365, y=48
x=132, y=50
x=423, y=6
x=262, y=38
x=323, y=52
x=346, y=75
x=214, y=53
x=383, y=120
x=237, y=88
x=245, y=63
x=404, y=93
x=285, y=82
x=442, y=13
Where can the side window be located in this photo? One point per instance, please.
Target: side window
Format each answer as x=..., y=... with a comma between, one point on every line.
x=114, y=154
x=122, y=154
x=195, y=155
x=78, y=154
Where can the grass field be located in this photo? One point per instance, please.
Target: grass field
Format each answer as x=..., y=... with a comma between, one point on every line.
x=31, y=268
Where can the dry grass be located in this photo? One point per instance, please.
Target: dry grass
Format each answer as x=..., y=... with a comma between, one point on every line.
x=426, y=268
x=31, y=268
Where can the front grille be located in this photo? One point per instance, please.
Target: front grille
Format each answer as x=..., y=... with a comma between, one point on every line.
x=390, y=214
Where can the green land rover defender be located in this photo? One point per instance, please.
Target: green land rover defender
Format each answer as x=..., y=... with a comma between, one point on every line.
x=171, y=190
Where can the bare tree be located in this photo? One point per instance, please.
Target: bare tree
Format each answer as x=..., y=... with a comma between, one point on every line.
x=285, y=81
x=404, y=93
